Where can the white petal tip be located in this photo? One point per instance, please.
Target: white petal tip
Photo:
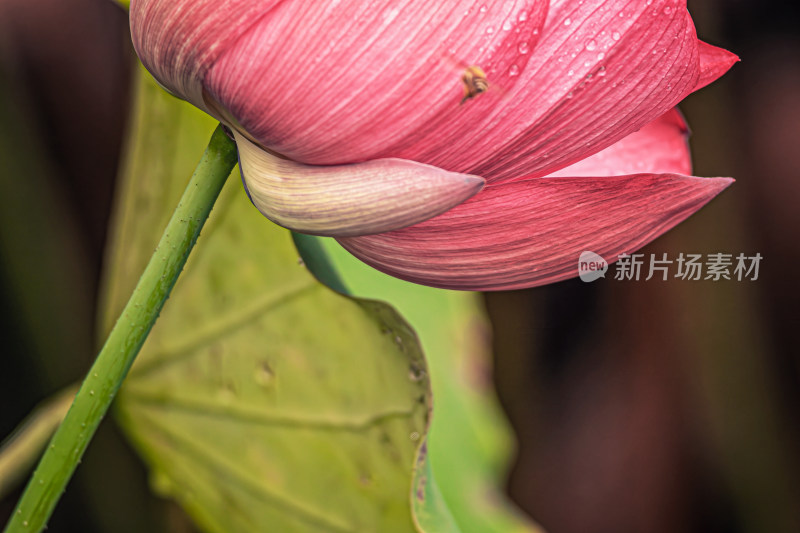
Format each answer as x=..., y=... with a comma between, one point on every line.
x=349, y=200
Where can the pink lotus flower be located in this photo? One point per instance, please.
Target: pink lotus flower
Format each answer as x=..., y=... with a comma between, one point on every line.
x=371, y=121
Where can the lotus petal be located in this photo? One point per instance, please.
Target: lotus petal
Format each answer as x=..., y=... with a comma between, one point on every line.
x=343, y=200
x=531, y=232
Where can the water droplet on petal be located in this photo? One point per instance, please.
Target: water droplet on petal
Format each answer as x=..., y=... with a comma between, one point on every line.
x=513, y=70
x=507, y=25
x=616, y=36
x=591, y=45
x=523, y=47
x=523, y=16
x=567, y=22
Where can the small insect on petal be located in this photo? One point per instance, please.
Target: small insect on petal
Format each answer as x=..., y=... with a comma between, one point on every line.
x=475, y=82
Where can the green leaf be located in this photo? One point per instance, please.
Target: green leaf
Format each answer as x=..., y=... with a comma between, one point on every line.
x=469, y=442
x=262, y=401
x=430, y=510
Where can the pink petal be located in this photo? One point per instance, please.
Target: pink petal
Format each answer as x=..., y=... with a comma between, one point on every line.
x=626, y=71
x=177, y=40
x=714, y=62
x=354, y=81
x=531, y=232
x=339, y=82
x=658, y=148
x=356, y=199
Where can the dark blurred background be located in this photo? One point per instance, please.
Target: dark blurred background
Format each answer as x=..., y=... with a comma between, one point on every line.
x=639, y=406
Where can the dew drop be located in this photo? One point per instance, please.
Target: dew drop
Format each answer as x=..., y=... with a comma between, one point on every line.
x=567, y=22
x=513, y=70
x=601, y=56
x=91, y=393
x=490, y=30
x=523, y=16
x=615, y=36
x=667, y=10
x=523, y=47
x=507, y=25
x=571, y=72
x=591, y=45
x=483, y=8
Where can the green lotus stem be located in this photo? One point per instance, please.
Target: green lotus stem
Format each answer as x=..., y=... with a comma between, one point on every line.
x=126, y=338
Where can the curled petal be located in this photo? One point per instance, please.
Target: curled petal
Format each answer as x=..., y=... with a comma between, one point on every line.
x=714, y=62
x=345, y=200
x=528, y=233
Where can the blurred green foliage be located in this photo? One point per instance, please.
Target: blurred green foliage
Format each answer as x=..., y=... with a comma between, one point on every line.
x=262, y=400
